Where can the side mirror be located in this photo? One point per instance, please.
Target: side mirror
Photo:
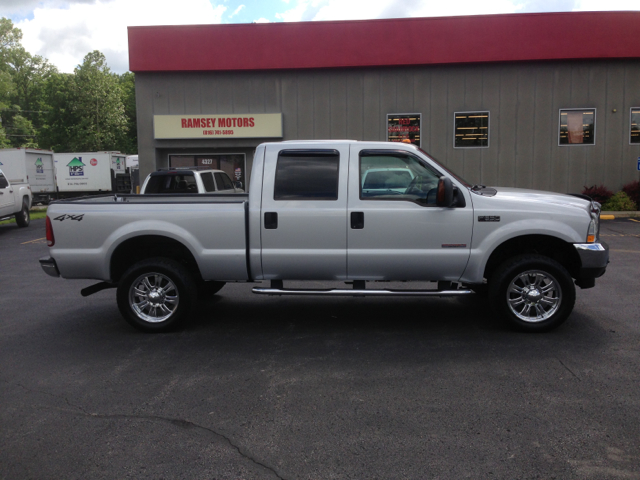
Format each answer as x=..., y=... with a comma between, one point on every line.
x=444, y=197
x=237, y=185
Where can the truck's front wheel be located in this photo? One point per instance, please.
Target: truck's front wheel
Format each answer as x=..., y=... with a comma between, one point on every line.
x=156, y=294
x=533, y=292
x=22, y=217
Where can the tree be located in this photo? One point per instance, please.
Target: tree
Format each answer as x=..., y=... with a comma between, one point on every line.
x=55, y=133
x=10, y=37
x=91, y=109
x=129, y=143
x=97, y=106
x=21, y=133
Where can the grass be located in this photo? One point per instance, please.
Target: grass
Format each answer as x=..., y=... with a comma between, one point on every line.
x=35, y=214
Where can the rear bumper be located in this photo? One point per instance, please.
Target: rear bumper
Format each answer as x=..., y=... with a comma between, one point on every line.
x=49, y=266
x=594, y=258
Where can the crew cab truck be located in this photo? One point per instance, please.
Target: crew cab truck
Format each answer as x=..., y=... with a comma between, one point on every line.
x=308, y=217
x=15, y=200
x=189, y=180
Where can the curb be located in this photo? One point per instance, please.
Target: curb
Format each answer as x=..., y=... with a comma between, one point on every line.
x=614, y=215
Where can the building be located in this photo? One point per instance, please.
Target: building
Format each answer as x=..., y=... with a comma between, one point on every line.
x=548, y=101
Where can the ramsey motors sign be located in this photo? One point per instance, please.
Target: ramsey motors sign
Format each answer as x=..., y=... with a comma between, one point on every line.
x=259, y=125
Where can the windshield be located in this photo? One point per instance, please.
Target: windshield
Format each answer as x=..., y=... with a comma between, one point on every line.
x=448, y=170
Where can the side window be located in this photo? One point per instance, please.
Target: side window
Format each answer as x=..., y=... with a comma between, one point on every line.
x=223, y=181
x=207, y=181
x=185, y=184
x=302, y=175
x=3, y=181
x=397, y=177
x=228, y=185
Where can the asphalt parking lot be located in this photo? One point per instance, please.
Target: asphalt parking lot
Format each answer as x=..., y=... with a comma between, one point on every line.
x=315, y=388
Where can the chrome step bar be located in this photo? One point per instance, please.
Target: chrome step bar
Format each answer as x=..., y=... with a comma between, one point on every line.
x=348, y=292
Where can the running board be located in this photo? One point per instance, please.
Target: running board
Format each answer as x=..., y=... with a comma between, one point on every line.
x=345, y=292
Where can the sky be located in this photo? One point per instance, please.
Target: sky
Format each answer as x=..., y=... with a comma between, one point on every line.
x=64, y=31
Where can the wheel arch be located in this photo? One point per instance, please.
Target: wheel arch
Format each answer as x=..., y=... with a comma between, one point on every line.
x=142, y=247
x=547, y=245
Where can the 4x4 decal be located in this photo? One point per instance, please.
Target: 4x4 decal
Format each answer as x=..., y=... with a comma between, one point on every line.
x=77, y=218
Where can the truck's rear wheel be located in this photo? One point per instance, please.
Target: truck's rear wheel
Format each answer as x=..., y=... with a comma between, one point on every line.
x=532, y=292
x=156, y=294
x=22, y=217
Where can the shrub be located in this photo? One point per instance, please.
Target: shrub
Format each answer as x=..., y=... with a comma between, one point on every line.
x=600, y=194
x=618, y=203
x=633, y=190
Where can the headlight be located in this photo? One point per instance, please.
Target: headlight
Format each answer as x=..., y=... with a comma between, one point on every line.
x=594, y=226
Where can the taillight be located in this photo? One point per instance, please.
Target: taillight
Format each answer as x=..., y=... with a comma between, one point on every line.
x=51, y=240
x=592, y=233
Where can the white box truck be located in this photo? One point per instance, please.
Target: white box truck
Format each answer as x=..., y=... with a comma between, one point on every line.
x=30, y=166
x=87, y=173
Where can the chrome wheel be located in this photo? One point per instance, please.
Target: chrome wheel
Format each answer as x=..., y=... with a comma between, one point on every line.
x=534, y=296
x=153, y=297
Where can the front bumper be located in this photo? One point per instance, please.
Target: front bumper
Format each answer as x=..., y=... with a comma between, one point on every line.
x=50, y=267
x=594, y=258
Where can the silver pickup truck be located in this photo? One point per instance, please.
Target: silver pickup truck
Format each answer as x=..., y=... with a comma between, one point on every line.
x=357, y=212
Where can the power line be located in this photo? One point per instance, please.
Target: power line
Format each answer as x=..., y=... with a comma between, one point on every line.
x=25, y=111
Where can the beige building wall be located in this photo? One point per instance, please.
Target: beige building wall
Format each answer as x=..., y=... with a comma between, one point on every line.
x=523, y=99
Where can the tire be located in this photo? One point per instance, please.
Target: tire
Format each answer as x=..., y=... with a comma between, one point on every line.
x=168, y=285
x=532, y=292
x=209, y=289
x=23, y=218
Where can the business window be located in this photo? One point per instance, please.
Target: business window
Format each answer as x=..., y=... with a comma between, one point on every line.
x=634, y=134
x=471, y=129
x=577, y=126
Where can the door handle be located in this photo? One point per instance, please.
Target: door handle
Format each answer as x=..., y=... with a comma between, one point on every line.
x=270, y=220
x=357, y=220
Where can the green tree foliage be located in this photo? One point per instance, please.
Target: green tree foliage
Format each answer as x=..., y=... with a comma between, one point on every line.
x=56, y=131
x=129, y=142
x=97, y=106
x=9, y=39
x=22, y=133
x=89, y=110
x=619, y=202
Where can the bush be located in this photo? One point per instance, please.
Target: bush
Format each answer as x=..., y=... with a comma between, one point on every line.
x=619, y=202
x=633, y=190
x=600, y=194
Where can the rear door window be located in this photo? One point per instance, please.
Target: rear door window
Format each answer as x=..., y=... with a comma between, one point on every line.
x=207, y=181
x=307, y=176
x=223, y=181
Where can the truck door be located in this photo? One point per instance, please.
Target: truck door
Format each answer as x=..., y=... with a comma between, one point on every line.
x=6, y=197
x=304, y=213
x=396, y=231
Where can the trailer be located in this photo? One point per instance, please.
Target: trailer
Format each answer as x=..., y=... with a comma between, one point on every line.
x=91, y=173
x=33, y=167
